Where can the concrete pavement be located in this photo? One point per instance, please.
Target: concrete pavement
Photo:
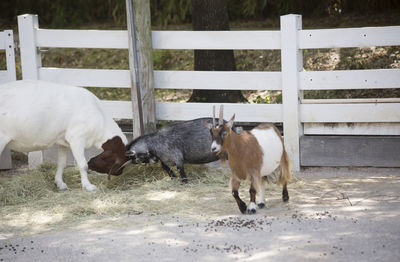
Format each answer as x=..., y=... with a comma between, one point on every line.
x=334, y=215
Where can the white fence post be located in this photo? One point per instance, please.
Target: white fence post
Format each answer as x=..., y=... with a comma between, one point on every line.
x=292, y=65
x=10, y=55
x=30, y=56
x=30, y=64
x=5, y=159
x=5, y=156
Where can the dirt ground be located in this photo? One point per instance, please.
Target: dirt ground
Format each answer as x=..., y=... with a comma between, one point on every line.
x=334, y=214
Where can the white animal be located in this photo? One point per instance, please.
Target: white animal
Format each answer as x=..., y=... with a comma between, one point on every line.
x=35, y=115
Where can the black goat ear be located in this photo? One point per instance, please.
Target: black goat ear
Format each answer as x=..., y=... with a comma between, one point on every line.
x=208, y=125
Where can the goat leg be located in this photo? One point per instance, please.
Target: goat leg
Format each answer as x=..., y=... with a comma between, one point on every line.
x=235, y=183
x=78, y=151
x=285, y=193
x=252, y=205
x=242, y=206
x=260, y=192
x=182, y=173
x=61, y=164
x=169, y=171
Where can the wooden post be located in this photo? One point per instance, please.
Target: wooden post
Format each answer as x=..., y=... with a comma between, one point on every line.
x=292, y=64
x=141, y=66
x=30, y=64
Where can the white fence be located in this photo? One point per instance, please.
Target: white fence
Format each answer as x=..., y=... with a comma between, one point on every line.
x=298, y=115
x=7, y=44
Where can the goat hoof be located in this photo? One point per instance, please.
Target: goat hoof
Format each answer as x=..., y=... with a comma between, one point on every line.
x=252, y=208
x=251, y=211
x=285, y=199
x=90, y=188
x=243, y=208
x=185, y=180
x=261, y=205
x=62, y=187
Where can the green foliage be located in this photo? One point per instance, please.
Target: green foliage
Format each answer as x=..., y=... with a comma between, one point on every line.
x=264, y=97
x=246, y=9
x=268, y=8
x=173, y=59
x=164, y=12
x=251, y=7
x=69, y=14
x=260, y=100
x=66, y=14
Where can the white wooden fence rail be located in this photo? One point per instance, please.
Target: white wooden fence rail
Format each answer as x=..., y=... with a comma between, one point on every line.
x=350, y=79
x=7, y=44
x=349, y=37
x=291, y=40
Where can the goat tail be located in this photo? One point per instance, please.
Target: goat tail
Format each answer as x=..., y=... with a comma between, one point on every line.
x=286, y=169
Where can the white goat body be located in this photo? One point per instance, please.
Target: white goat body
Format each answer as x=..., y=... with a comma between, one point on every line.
x=35, y=115
x=271, y=146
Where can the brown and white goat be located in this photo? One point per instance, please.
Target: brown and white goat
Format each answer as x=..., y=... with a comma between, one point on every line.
x=252, y=154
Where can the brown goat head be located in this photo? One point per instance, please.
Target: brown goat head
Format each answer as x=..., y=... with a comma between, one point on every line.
x=111, y=161
x=219, y=133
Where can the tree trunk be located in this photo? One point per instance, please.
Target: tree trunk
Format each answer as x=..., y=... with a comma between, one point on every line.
x=209, y=15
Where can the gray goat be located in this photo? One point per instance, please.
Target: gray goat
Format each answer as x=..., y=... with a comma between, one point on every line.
x=174, y=145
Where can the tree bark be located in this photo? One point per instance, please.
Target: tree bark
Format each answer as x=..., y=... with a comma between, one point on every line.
x=211, y=15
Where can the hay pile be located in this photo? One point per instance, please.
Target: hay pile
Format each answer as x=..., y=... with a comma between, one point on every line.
x=32, y=200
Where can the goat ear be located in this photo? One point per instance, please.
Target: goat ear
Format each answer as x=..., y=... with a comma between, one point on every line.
x=230, y=122
x=208, y=125
x=115, y=144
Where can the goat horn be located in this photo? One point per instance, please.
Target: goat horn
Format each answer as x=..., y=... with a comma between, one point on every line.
x=115, y=171
x=221, y=115
x=123, y=165
x=213, y=116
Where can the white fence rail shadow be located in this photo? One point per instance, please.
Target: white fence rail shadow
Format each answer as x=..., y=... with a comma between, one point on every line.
x=7, y=44
x=297, y=115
